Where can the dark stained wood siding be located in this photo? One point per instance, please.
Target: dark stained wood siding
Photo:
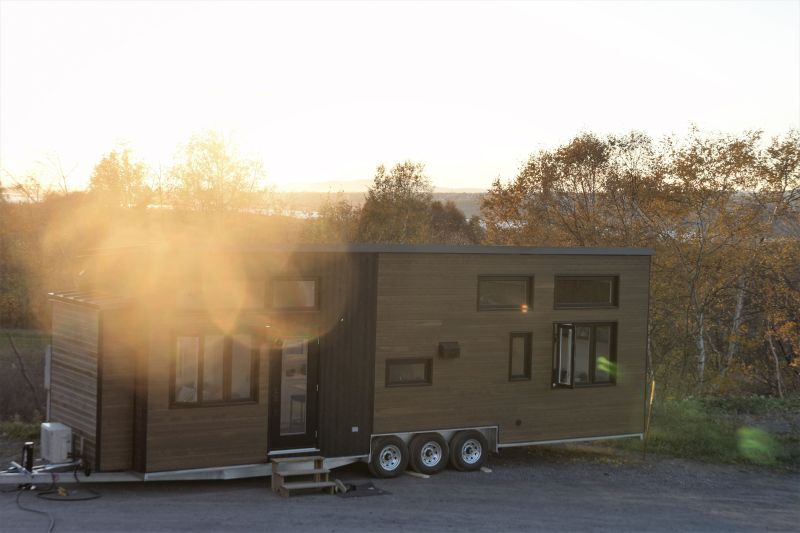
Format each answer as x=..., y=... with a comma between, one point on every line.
x=427, y=298
x=347, y=356
x=73, y=378
x=117, y=366
x=197, y=437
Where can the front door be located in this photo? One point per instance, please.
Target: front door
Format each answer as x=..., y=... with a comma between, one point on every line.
x=293, y=393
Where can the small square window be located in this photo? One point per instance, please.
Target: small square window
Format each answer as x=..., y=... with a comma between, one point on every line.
x=498, y=293
x=405, y=372
x=295, y=294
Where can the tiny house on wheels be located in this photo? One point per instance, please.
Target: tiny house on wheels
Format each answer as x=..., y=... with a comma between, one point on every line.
x=212, y=361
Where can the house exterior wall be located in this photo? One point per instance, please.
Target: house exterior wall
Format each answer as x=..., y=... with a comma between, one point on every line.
x=116, y=389
x=73, y=374
x=197, y=437
x=427, y=298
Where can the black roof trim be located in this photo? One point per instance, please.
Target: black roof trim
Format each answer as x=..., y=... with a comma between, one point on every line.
x=446, y=249
x=378, y=248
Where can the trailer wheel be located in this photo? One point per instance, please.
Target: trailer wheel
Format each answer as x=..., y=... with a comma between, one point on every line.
x=389, y=457
x=468, y=450
x=429, y=453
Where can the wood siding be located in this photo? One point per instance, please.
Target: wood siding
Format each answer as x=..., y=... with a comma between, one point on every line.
x=73, y=374
x=425, y=298
x=347, y=357
x=117, y=366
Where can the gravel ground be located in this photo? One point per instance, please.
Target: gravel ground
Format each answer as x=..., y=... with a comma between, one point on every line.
x=576, y=488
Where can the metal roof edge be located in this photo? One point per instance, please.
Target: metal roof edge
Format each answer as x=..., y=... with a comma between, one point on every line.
x=389, y=249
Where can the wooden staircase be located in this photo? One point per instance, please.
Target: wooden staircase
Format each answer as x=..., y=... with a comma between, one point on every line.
x=308, y=473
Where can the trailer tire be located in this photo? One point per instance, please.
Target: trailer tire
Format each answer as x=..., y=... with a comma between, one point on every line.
x=389, y=457
x=468, y=450
x=429, y=453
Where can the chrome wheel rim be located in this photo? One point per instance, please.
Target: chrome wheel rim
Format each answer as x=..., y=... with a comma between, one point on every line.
x=471, y=451
x=390, y=457
x=431, y=454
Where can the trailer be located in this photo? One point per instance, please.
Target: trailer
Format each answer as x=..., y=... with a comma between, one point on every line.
x=179, y=361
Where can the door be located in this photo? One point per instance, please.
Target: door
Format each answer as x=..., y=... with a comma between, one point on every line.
x=293, y=393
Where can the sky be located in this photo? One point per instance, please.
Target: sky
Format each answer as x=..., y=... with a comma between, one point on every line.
x=327, y=91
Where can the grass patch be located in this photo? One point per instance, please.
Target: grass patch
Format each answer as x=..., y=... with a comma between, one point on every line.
x=723, y=430
x=15, y=430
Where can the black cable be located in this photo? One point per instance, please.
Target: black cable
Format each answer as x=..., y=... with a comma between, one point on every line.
x=56, y=496
x=37, y=511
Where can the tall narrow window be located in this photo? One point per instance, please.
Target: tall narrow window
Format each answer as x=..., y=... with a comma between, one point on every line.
x=214, y=369
x=584, y=354
x=187, y=369
x=242, y=358
x=575, y=292
x=519, y=357
x=213, y=364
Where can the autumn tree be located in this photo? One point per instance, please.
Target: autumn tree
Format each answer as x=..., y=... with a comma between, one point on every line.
x=338, y=222
x=719, y=211
x=397, y=206
x=120, y=181
x=212, y=177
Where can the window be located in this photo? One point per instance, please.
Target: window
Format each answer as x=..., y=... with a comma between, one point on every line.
x=214, y=369
x=519, y=357
x=574, y=292
x=584, y=354
x=405, y=372
x=295, y=294
x=497, y=293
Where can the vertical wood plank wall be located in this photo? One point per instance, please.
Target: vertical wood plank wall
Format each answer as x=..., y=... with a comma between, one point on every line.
x=117, y=366
x=424, y=299
x=73, y=377
x=347, y=355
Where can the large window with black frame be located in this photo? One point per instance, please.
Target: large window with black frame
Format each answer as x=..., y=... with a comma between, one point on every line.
x=213, y=369
x=585, y=354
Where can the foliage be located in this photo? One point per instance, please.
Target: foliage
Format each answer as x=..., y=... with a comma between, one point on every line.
x=212, y=177
x=16, y=397
x=397, y=207
x=723, y=214
x=18, y=430
x=120, y=181
x=712, y=429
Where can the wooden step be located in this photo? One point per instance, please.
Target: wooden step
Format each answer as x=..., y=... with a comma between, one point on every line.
x=303, y=472
x=286, y=488
x=300, y=459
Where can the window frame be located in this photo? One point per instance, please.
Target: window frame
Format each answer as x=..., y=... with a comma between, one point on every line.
x=524, y=307
x=270, y=301
x=587, y=305
x=428, y=380
x=593, y=324
x=227, y=358
x=527, y=336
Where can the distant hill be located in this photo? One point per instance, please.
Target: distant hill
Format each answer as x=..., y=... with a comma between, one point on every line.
x=308, y=201
x=359, y=186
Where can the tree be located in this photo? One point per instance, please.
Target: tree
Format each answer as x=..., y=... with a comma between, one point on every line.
x=338, y=222
x=450, y=226
x=397, y=207
x=212, y=177
x=120, y=181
